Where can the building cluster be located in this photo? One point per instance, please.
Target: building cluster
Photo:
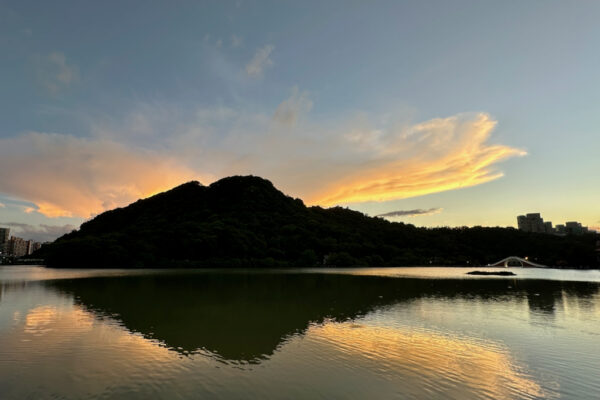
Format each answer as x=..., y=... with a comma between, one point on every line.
x=534, y=222
x=12, y=246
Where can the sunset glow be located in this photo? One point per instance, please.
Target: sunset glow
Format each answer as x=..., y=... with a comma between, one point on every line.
x=377, y=120
x=440, y=155
x=481, y=365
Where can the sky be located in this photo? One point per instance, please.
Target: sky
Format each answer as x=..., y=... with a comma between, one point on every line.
x=435, y=113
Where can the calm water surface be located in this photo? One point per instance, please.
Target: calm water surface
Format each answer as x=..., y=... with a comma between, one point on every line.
x=422, y=333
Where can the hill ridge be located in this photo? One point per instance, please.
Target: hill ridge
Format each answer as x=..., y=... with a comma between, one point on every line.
x=245, y=221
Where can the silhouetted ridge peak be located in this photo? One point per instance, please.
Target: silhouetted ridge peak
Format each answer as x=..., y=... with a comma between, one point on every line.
x=250, y=194
x=247, y=184
x=191, y=185
x=245, y=221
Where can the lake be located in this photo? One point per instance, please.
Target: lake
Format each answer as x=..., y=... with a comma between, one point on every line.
x=406, y=333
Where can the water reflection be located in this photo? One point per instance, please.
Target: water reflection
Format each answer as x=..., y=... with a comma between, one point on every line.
x=483, y=367
x=246, y=317
x=265, y=335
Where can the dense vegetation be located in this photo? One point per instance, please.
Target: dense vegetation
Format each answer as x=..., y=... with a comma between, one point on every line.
x=244, y=221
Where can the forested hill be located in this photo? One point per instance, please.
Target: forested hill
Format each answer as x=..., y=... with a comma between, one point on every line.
x=245, y=221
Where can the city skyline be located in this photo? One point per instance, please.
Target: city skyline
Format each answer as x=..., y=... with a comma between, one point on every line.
x=385, y=108
x=14, y=246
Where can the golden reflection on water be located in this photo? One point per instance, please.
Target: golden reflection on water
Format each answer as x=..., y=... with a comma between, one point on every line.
x=66, y=349
x=43, y=320
x=459, y=362
x=441, y=364
x=38, y=320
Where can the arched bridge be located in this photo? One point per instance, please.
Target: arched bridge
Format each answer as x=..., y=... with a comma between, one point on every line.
x=513, y=259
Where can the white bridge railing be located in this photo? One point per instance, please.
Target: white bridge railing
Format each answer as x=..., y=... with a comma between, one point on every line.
x=524, y=262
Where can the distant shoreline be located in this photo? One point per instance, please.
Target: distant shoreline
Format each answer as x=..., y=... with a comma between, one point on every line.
x=244, y=221
x=499, y=271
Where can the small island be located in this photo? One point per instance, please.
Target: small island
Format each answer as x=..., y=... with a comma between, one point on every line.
x=493, y=273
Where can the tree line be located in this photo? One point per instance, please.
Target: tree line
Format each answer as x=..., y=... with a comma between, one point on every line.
x=244, y=221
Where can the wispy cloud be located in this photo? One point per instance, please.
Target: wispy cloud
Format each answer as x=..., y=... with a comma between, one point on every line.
x=326, y=163
x=2, y=205
x=54, y=73
x=39, y=233
x=260, y=61
x=289, y=110
x=433, y=156
x=411, y=213
x=236, y=41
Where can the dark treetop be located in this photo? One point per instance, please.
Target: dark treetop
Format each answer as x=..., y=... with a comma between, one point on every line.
x=244, y=221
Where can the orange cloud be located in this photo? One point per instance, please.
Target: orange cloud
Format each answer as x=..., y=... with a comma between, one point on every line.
x=67, y=176
x=435, y=156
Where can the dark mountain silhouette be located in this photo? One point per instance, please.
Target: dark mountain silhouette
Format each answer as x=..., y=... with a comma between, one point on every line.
x=244, y=221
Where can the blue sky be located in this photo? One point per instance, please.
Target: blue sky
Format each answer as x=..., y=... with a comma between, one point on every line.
x=480, y=110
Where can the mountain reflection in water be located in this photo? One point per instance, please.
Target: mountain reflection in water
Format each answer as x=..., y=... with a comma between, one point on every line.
x=246, y=317
x=298, y=334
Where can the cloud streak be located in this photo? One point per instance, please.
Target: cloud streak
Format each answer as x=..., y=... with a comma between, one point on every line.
x=260, y=61
x=411, y=213
x=54, y=73
x=433, y=156
x=236, y=41
x=288, y=112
